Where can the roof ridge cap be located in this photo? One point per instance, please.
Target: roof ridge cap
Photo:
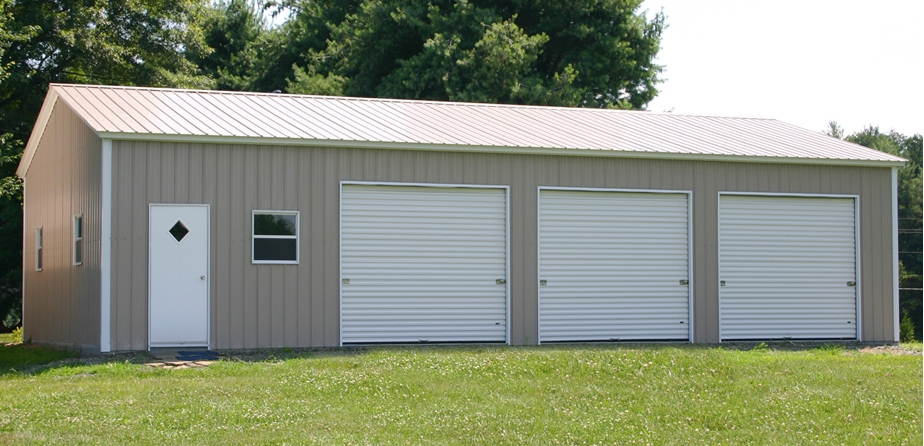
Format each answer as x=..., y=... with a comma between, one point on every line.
x=406, y=101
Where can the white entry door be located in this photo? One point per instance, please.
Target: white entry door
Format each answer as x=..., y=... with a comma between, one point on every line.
x=179, y=275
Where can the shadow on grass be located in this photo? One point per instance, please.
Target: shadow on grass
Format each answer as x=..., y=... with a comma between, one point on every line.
x=31, y=359
x=15, y=358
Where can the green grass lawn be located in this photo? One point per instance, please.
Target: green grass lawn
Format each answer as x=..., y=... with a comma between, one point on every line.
x=657, y=394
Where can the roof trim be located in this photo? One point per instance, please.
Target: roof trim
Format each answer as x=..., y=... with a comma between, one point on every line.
x=38, y=131
x=521, y=150
x=61, y=91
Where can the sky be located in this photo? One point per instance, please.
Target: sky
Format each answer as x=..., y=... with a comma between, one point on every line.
x=803, y=62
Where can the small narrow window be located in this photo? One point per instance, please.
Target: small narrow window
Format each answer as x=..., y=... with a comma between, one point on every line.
x=38, y=248
x=78, y=239
x=275, y=237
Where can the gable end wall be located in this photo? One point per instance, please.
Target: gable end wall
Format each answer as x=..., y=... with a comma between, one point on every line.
x=61, y=303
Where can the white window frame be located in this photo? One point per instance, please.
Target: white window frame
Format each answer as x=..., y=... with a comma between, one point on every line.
x=39, y=248
x=78, y=239
x=254, y=237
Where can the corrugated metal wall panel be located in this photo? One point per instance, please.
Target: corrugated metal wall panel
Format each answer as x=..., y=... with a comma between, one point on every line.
x=320, y=171
x=612, y=265
x=786, y=263
x=61, y=303
x=422, y=264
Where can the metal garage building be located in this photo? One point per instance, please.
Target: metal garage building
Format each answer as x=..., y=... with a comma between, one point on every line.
x=158, y=217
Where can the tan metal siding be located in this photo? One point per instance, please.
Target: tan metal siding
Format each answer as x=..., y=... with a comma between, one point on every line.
x=62, y=302
x=876, y=253
x=298, y=305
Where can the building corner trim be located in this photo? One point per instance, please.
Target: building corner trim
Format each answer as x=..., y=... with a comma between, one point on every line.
x=895, y=278
x=106, y=250
x=22, y=276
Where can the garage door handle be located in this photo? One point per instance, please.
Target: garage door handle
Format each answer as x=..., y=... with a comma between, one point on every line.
x=202, y=277
x=722, y=283
x=851, y=283
x=500, y=281
x=684, y=282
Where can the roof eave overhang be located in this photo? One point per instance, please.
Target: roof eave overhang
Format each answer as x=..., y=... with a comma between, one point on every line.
x=260, y=140
x=38, y=131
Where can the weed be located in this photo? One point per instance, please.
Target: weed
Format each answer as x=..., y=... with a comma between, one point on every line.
x=906, y=328
x=17, y=335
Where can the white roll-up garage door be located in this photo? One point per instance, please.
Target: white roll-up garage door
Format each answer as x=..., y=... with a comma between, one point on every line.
x=613, y=266
x=787, y=267
x=423, y=264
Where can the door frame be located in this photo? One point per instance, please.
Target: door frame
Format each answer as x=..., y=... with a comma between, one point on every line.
x=208, y=267
x=506, y=190
x=856, y=246
x=691, y=278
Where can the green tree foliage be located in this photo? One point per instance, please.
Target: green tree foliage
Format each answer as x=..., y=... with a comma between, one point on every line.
x=116, y=42
x=97, y=41
x=234, y=30
x=909, y=210
x=310, y=82
x=591, y=53
x=296, y=43
x=834, y=130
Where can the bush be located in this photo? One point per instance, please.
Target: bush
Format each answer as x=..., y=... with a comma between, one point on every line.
x=905, y=328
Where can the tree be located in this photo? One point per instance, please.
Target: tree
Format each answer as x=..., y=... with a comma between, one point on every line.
x=834, y=130
x=591, y=53
x=909, y=211
x=98, y=41
x=142, y=42
x=234, y=30
x=297, y=41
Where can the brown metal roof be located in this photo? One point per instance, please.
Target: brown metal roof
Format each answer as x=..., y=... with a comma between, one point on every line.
x=193, y=115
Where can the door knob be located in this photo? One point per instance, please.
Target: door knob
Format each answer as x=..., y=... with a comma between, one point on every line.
x=202, y=277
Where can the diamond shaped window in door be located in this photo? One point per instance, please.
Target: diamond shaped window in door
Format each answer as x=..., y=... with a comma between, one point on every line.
x=179, y=230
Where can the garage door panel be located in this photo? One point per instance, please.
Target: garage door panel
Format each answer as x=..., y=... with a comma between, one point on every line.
x=488, y=312
x=423, y=264
x=612, y=263
x=792, y=287
x=614, y=284
x=425, y=292
x=648, y=271
x=787, y=263
x=605, y=317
